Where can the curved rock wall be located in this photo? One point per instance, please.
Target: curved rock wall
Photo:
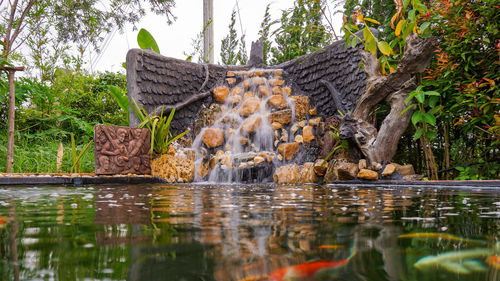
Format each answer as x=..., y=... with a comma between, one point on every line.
x=155, y=80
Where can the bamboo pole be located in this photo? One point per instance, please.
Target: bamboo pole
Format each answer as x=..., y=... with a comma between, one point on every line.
x=12, y=114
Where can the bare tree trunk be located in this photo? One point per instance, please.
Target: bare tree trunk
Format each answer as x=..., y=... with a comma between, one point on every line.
x=12, y=116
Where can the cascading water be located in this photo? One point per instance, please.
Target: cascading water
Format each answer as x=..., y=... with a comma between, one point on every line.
x=257, y=114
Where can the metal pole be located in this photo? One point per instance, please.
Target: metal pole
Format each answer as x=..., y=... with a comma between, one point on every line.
x=208, y=38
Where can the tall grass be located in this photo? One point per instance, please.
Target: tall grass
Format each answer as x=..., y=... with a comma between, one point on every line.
x=39, y=155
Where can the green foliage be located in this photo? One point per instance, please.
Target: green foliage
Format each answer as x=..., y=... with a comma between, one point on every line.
x=264, y=34
x=425, y=122
x=344, y=144
x=38, y=154
x=146, y=41
x=159, y=127
x=233, y=51
x=301, y=31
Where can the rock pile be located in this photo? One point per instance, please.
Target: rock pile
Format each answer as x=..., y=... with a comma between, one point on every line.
x=261, y=125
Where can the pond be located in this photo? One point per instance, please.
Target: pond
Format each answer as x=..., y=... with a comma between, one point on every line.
x=249, y=232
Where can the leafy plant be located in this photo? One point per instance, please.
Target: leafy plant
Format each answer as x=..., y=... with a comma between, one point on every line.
x=146, y=41
x=344, y=144
x=159, y=127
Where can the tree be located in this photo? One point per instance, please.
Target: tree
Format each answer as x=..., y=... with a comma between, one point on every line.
x=79, y=22
x=233, y=51
x=264, y=34
x=301, y=31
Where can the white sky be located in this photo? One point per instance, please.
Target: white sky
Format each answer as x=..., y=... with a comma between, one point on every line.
x=177, y=38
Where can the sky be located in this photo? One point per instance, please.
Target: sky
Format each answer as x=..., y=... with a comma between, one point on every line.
x=173, y=40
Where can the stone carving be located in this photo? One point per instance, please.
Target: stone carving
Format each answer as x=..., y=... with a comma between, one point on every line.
x=121, y=150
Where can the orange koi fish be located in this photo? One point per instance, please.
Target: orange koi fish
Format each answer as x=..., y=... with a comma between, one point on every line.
x=304, y=270
x=3, y=219
x=494, y=261
x=445, y=236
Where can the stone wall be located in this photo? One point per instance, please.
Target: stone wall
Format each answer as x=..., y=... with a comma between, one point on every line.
x=155, y=80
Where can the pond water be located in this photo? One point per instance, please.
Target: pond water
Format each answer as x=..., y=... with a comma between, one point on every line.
x=248, y=232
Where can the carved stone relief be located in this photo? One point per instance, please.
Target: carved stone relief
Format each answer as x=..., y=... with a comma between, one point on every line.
x=121, y=150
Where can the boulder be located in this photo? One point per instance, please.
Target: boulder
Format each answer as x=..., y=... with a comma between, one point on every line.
x=234, y=99
x=307, y=133
x=276, y=82
x=320, y=169
x=405, y=170
x=389, y=170
x=276, y=125
x=314, y=121
x=288, y=150
x=376, y=166
x=259, y=81
x=250, y=106
x=277, y=101
x=248, y=95
x=231, y=80
x=287, y=90
x=283, y=116
x=367, y=174
x=277, y=90
x=236, y=91
x=258, y=159
x=302, y=107
x=221, y=93
x=212, y=137
x=346, y=170
x=307, y=174
x=263, y=91
x=313, y=111
x=230, y=73
x=299, y=139
x=251, y=124
x=287, y=174
x=246, y=84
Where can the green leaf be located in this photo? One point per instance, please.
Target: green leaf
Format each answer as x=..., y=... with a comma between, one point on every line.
x=416, y=117
x=429, y=118
x=418, y=133
x=120, y=97
x=424, y=26
x=146, y=41
x=420, y=96
x=411, y=15
x=433, y=101
x=412, y=94
x=354, y=42
x=408, y=108
x=432, y=93
x=431, y=134
x=385, y=48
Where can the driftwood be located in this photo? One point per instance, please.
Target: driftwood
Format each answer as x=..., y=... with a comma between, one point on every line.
x=380, y=145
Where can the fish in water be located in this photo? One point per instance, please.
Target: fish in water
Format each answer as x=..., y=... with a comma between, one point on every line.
x=4, y=220
x=494, y=261
x=304, y=270
x=331, y=247
x=444, y=236
x=459, y=262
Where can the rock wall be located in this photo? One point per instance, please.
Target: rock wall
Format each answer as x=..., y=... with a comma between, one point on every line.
x=155, y=80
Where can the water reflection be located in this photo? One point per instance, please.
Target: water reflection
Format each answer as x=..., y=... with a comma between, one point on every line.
x=231, y=232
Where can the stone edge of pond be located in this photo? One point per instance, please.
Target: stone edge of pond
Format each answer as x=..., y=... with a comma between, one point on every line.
x=34, y=179
x=75, y=180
